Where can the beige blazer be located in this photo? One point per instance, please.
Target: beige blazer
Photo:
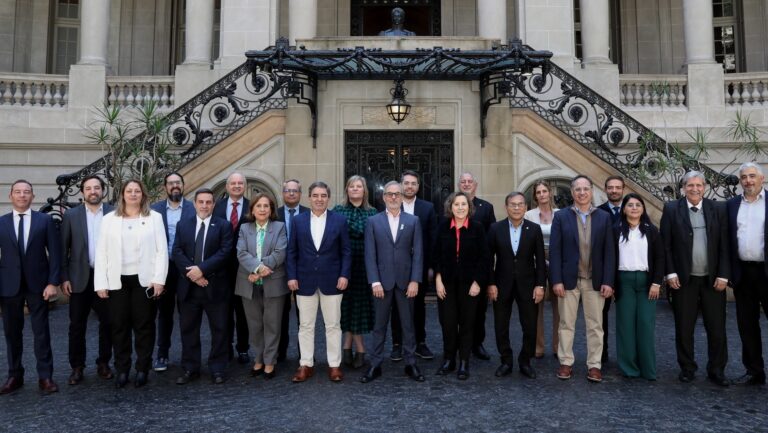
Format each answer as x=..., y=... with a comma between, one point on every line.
x=273, y=255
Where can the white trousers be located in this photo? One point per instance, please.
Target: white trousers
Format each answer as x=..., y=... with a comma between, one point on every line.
x=330, y=305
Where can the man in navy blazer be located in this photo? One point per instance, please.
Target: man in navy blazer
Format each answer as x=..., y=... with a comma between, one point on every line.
x=582, y=265
x=318, y=264
x=200, y=251
x=173, y=209
x=393, y=263
x=748, y=230
x=30, y=260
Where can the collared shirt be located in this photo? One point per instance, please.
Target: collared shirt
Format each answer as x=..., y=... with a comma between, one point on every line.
x=239, y=208
x=583, y=215
x=633, y=252
x=261, y=231
x=317, y=227
x=172, y=215
x=750, y=227
x=288, y=217
x=409, y=208
x=207, y=222
x=93, y=224
x=394, y=221
x=27, y=224
x=514, y=234
x=458, y=232
x=698, y=206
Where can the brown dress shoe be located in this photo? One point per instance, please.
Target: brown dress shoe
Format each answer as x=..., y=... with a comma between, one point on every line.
x=303, y=373
x=564, y=372
x=76, y=376
x=335, y=374
x=104, y=371
x=594, y=375
x=11, y=385
x=48, y=386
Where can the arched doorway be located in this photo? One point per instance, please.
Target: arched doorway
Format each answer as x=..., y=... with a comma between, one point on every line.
x=254, y=186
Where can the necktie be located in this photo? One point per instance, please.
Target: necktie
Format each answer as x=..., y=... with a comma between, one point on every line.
x=291, y=212
x=694, y=209
x=233, y=218
x=199, y=241
x=615, y=210
x=20, y=235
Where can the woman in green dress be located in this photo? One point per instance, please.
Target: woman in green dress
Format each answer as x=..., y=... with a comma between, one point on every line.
x=357, y=303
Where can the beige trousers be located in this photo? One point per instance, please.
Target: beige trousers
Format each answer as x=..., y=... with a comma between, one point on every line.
x=331, y=308
x=593, y=318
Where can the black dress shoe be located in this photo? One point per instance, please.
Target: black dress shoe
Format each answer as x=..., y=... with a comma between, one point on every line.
x=414, y=373
x=480, y=353
x=121, y=380
x=76, y=376
x=218, y=378
x=243, y=358
x=257, y=371
x=718, y=379
x=528, y=371
x=423, y=352
x=750, y=379
x=187, y=377
x=463, y=372
x=397, y=353
x=503, y=370
x=448, y=366
x=141, y=379
x=11, y=385
x=270, y=374
x=685, y=376
x=370, y=375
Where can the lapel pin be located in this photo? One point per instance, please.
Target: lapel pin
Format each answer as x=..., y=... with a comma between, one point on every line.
x=402, y=226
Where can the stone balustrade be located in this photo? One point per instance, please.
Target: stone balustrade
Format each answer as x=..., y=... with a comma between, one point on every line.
x=653, y=91
x=747, y=89
x=134, y=91
x=34, y=90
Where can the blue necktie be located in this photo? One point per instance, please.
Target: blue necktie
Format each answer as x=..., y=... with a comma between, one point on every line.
x=288, y=222
x=20, y=235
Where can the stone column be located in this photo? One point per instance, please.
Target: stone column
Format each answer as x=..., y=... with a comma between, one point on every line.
x=699, y=32
x=595, y=32
x=198, y=32
x=492, y=19
x=302, y=19
x=94, y=32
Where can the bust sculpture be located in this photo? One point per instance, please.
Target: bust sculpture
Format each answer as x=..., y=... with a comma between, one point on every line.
x=398, y=19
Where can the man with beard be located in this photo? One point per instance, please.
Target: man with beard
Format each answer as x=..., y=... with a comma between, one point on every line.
x=173, y=209
x=79, y=233
x=614, y=189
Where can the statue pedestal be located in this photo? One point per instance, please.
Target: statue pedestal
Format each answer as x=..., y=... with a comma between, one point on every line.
x=397, y=42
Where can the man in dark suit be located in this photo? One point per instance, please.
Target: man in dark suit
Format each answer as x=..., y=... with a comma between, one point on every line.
x=695, y=234
x=614, y=189
x=582, y=267
x=173, y=209
x=200, y=252
x=518, y=276
x=318, y=265
x=79, y=233
x=30, y=257
x=749, y=274
x=425, y=212
x=393, y=263
x=234, y=208
x=485, y=215
x=290, y=209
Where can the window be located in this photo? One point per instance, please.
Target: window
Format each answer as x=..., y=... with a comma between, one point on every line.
x=727, y=40
x=614, y=43
x=66, y=35
x=178, y=54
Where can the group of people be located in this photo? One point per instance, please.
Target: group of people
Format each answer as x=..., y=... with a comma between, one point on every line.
x=242, y=262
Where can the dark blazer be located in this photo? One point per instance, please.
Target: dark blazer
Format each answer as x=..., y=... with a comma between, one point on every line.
x=220, y=210
x=655, y=253
x=473, y=262
x=187, y=211
x=425, y=212
x=319, y=269
x=732, y=206
x=42, y=257
x=281, y=212
x=393, y=262
x=484, y=213
x=527, y=268
x=608, y=208
x=677, y=233
x=564, y=249
x=218, y=244
x=75, y=264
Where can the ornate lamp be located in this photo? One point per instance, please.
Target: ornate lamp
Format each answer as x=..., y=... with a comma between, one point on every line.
x=399, y=108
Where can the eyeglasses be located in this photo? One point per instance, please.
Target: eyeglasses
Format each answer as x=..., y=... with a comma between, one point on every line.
x=291, y=191
x=392, y=194
x=516, y=205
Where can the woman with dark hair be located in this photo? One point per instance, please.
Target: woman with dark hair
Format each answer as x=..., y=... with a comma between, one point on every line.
x=261, y=280
x=462, y=264
x=130, y=269
x=640, y=259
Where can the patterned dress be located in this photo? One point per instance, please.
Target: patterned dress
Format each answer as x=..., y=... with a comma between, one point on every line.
x=357, y=303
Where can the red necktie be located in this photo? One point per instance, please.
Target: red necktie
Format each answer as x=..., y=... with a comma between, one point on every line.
x=233, y=219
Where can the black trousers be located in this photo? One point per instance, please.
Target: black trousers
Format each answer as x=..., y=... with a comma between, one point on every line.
x=236, y=321
x=457, y=317
x=686, y=302
x=750, y=294
x=385, y=309
x=606, y=309
x=166, y=307
x=190, y=318
x=528, y=312
x=478, y=333
x=419, y=318
x=282, y=347
x=133, y=321
x=80, y=306
x=13, y=326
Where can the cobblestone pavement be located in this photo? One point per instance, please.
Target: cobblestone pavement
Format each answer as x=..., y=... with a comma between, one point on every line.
x=393, y=402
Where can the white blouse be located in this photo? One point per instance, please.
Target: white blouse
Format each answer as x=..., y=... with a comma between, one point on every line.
x=546, y=229
x=131, y=246
x=633, y=251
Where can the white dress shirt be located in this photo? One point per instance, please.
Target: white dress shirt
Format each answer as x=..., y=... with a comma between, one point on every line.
x=131, y=245
x=633, y=251
x=207, y=222
x=317, y=227
x=27, y=224
x=750, y=227
x=93, y=223
x=394, y=221
x=410, y=208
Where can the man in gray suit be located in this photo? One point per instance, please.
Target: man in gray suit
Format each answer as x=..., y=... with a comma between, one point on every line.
x=393, y=262
x=79, y=232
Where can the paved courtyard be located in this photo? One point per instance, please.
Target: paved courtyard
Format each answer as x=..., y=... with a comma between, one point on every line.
x=393, y=402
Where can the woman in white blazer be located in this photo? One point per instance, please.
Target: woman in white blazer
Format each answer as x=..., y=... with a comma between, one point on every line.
x=130, y=269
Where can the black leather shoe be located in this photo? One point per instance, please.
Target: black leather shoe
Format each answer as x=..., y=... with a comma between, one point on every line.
x=218, y=378
x=257, y=371
x=423, y=352
x=685, y=376
x=750, y=379
x=528, y=371
x=414, y=373
x=121, y=380
x=480, y=353
x=76, y=376
x=270, y=375
x=141, y=379
x=463, y=372
x=187, y=377
x=370, y=375
x=397, y=353
x=243, y=358
x=448, y=366
x=503, y=370
x=718, y=379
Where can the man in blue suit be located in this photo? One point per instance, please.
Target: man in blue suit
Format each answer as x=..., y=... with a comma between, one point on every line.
x=30, y=259
x=582, y=266
x=318, y=265
x=201, y=252
x=393, y=263
x=173, y=209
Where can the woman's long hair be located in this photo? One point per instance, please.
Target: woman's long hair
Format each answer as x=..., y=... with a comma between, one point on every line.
x=143, y=206
x=546, y=185
x=355, y=178
x=645, y=220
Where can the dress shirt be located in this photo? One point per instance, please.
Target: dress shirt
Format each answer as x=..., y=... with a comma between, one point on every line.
x=394, y=221
x=207, y=222
x=239, y=208
x=750, y=225
x=583, y=215
x=514, y=234
x=288, y=217
x=93, y=223
x=261, y=232
x=409, y=207
x=633, y=252
x=27, y=224
x=317, y=228
x=172, y=215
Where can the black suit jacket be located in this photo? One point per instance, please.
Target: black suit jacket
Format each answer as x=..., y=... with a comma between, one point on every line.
x=527, y=268
x=425, y=211
x=473, y=263
x=655, y=253
x=220, y=210
x=75, y=264
x=484, y=213
x=281, y=212
x=733, y=205
x=218, y=244
x=677, y=233
x=42, y=257
x=608, y=208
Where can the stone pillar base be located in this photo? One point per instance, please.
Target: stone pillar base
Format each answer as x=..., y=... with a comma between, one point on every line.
x=191, y=79
x=87, y=86
x=705, y=86
x=603, y=78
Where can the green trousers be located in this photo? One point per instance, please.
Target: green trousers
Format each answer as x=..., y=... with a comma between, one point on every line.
x=635, y=326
